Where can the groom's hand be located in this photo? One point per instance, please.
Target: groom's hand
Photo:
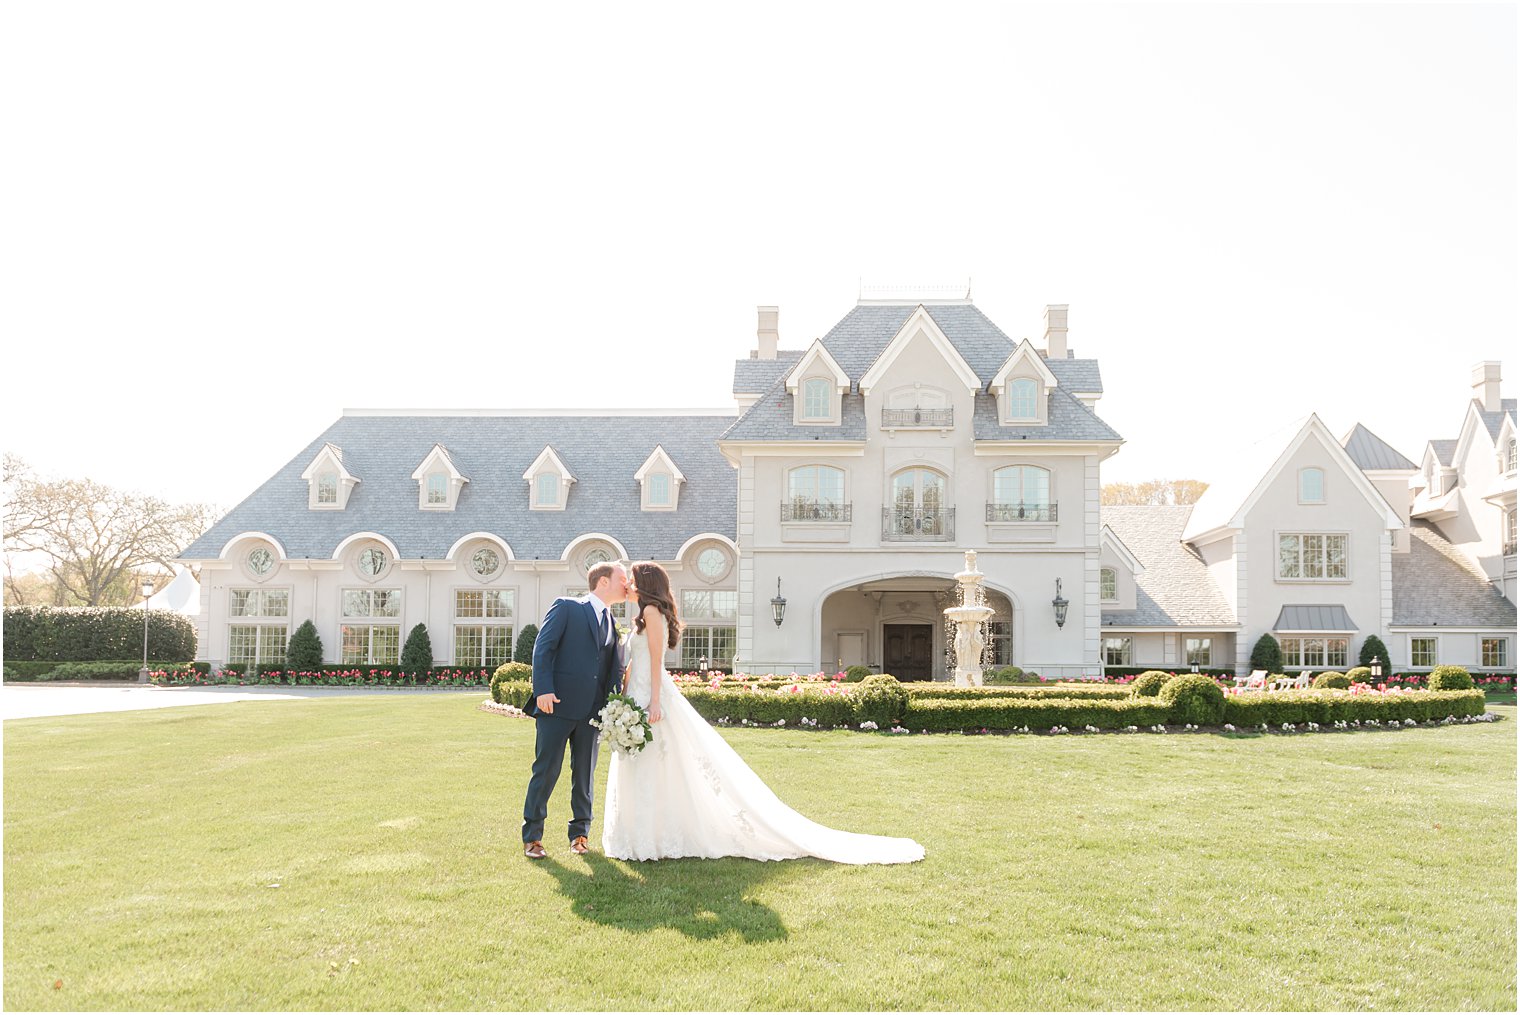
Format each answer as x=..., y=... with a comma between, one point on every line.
x=546, y=702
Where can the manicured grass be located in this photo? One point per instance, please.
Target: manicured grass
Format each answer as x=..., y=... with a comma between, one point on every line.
x=1368, y=870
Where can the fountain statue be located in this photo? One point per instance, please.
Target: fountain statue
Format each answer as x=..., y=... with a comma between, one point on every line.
x=968, y=618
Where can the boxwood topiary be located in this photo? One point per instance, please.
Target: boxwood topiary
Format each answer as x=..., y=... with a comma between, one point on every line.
x=510, y=673
x=1149, y=683
x=1359, y=675
x=1373, y=648
x=523, y=651
x=1449, y=678
x=1267, y=655
x=1194, y=698
x=855, y=674
x=880, y=699
x=1329, y=678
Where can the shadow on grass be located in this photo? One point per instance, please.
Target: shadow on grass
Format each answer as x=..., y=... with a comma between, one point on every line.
x=699, y=898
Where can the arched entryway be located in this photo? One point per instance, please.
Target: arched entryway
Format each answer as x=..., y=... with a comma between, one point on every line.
x=896, y=625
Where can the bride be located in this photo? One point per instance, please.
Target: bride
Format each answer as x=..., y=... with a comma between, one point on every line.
x=687, y=793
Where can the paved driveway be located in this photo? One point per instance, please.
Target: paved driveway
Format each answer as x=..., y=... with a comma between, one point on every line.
x=30, y=700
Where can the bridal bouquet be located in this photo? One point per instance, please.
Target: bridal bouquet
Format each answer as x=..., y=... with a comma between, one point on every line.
x=624, y=725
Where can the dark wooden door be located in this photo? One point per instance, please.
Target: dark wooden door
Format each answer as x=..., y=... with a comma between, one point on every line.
x=908, y=651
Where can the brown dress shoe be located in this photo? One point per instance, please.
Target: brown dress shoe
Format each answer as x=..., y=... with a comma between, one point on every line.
x=578, y=845
x=534, y=850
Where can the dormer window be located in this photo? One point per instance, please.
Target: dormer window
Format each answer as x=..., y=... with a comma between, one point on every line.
x=548, y=482
x=815, y=398
x=1509, y=456
x=328, y=482
x=1108, y=584
x=1311, y=486
x=438, y=481
x=1022, y=395
x=660, y=480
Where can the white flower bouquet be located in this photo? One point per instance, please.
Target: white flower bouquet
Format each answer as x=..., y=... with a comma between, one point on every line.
x=624, y=725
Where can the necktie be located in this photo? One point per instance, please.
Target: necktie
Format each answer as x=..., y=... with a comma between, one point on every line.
x=606, y=627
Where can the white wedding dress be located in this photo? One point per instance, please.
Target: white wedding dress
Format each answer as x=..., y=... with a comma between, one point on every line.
x=687, y=793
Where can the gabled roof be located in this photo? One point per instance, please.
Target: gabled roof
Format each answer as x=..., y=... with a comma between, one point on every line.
x=771, y=419
x=1226, y=502
x=332, y=453
x=439, y=454
x=495, y=451
x=548, y=460
x=919, y=322
x=1175, y=588
x=1444, y=450
x=1024, y=352
x=1371, y=453
x=817, y=353
x=1493, y=422
x=1069, y=420
x=1434, y=585
x=1109, y=538
x=659, y=459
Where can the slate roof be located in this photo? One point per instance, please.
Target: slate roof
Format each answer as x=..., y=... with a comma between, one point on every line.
x=1175, y=589
x=1435, y=585
x=1494, y=421
x=1445, y=451
x=1369, y=451
x=602, y=452
x=752, y=376
x=1303, y=617
x=864, y=333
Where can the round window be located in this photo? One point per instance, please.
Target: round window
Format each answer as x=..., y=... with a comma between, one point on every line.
x=485, y=561
x=597, y=556
x=712, y=562
x=372, y=562
x=260, y=561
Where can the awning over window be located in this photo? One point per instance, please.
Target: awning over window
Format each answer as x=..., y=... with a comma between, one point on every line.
x=1314, y=618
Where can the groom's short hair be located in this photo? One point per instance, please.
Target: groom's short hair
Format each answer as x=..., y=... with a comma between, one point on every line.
x=598, y=572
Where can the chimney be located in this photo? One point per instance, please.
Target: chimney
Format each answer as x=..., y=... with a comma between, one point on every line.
x=1055, y=331
x=1485, y=382
x=767, y=333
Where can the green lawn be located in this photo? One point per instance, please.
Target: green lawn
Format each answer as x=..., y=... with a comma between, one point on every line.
x=362, y=853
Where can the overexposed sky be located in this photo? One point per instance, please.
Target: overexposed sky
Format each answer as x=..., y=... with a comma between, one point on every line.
x=221, y=224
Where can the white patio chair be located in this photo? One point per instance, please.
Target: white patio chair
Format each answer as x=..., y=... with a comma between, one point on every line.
x=1256, y=680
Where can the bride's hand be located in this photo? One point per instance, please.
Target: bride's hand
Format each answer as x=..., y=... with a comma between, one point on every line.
x=655, y=715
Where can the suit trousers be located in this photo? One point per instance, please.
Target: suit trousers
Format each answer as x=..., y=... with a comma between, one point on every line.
x=554, y=734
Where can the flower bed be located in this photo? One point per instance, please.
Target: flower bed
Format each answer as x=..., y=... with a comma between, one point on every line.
x=335, y=676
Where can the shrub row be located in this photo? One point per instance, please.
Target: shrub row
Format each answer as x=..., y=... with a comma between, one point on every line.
x=938, y=714
x=328, y=676
x=1330, y=706
x=115, y=669
x=1098, y=691
x=94, y=633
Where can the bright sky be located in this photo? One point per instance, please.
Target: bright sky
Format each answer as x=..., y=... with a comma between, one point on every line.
x=224, y=223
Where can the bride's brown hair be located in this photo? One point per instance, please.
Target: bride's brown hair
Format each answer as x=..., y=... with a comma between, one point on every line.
x=654, y=590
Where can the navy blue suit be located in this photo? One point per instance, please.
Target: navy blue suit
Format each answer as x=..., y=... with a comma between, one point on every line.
x=571, y=662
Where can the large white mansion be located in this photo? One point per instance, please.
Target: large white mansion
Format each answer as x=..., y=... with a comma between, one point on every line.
x=819, y=524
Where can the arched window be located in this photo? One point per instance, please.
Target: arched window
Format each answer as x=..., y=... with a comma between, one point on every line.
x=918, y=506
x=815, y=398
x=1022, y=395
x=1509, y=456
x=1311, y=486
x=1021, y=493
x=1108, y=584
x=815, y=493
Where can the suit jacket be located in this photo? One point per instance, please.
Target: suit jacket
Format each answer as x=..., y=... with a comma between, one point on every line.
x=570, y=661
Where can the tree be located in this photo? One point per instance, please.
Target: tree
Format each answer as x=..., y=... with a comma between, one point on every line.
x=95, y=543
x=1267, y=655
x=525, y=639
x=417, y=653
x=1374, y=646
x=1154, y=491
x=303, y=652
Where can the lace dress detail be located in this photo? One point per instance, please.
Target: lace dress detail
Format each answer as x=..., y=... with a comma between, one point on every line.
x=689, y=794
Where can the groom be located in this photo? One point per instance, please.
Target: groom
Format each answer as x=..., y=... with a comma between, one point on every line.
x=578, y=661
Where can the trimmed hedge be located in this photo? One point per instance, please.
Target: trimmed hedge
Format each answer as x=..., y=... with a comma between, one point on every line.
x=1331, y=706
x=95, y=634
x=1449, y=678
x=880, y=699
x=511, y=692
x=331, y=675
x=1334, y=681
x=1109, y=692
x=115, y=669
x=1037, y=714
x=1115, y=673
x=1149, y=683
x=1193, y=698
x=510, y=673
x=1267, y=654
x=822, y=705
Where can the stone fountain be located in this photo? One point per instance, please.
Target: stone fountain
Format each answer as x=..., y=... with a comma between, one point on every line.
x=968, y=619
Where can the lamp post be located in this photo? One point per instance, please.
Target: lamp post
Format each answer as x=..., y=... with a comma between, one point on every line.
x=1060, y=604
x=147, y=592
x=702, y=665
x=1377, y=668
x=778, y=605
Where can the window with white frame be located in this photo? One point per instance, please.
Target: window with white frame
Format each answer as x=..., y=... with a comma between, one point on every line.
x=1422, y=652
x=1021, y=493
x=1509, y=456
x=437, y=488
x=1117, y=651
x=1495, y=652
x=546, y=490
x=327, y=488
x=815, y=399
x=710, y=617
x=1311, y=486
x=1023, y=398
x=1509, y=532
x=1306, y=653
x=260, y=627
x=619, y=611
x=1311, y=556
x=483, y=625
x=657, y=489
x=367, y=638
x=1199, y=651
x=815, y=493
x=1108, y=584
x=999, y=643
